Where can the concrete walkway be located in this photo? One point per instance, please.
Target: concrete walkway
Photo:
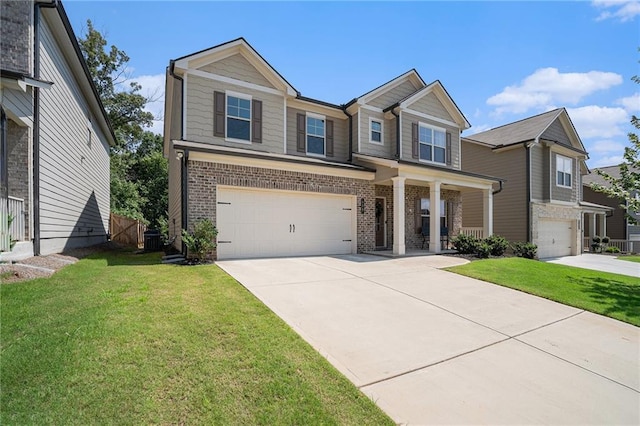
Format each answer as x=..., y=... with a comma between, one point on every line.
x=432, y=347
x=599, y=262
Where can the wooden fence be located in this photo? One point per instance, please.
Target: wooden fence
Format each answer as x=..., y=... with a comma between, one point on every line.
x=129, y=232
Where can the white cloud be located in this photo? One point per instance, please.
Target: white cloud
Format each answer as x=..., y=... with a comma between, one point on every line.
x=605, y=146
x=548, y=86
x=153, y=89
x=631, y=103
x=594, y=121
x=606, y=161
x=622, y=10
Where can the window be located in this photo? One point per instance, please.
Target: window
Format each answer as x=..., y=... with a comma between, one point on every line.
x=563, y=171
x=376, y=132
x=238, y=118
x=315, y=135
x=425, y=206
x=432, y=144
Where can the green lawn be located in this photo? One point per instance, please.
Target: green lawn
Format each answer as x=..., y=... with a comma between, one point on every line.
x=630, y=258
x=613, y=295
x=120, y=339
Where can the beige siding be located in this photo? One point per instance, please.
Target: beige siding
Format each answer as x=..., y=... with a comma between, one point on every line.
x=556, y=133
x=340, y=135
x=355, y=131
x=199, y=105
x=74, y=159
x=430, y=104
x=236, y=66
x=368, y=147
x=540, y=172
x=559, y=193
x=392, y=96
x=176, y=110
x=175, y=197
x=509, y=206
x=408, y=119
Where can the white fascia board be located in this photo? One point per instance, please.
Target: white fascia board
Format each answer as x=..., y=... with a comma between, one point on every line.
x=316, y=108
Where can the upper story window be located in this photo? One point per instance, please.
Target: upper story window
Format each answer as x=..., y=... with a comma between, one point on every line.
x=563, y=171
x=432, y=144
x=237, y=117
x=315, y=134
x=375, y=132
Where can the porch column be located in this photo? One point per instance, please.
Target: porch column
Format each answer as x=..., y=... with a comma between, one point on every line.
x=487, y=215
x=434, y=216
x=603, y=224
x=398, y=215
x=594, y=230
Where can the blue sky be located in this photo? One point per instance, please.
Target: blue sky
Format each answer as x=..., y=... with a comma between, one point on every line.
x=500, y=61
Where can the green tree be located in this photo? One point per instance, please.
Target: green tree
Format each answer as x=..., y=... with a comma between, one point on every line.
x=627, y=186
x=139, y=172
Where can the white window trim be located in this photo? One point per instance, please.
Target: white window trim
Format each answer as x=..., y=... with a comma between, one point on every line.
x=377, y=120
x=440, y=129
x=562, y=157
x=228, y=93
x=324, y=136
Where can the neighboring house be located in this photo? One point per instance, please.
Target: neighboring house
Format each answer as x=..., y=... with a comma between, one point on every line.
x=543, y=160
x=282, y=174
x=54, y=162
x=617, y=225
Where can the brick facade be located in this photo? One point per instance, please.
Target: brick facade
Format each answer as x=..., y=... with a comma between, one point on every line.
x=18, y=165
x=203, y=178
x=15, y=35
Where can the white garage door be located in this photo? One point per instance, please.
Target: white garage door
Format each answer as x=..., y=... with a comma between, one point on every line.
x=261, y=223
x=554, y=238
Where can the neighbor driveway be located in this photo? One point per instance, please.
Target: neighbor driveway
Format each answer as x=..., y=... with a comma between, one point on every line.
x=432, y=347
x=599, y=262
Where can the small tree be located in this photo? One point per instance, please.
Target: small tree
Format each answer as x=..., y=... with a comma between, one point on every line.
x=201, y=241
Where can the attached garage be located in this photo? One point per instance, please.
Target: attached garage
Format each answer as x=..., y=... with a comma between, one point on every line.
x=266, y=223
x=555, y=238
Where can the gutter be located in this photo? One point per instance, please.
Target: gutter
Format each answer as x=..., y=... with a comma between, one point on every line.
x=36, y=123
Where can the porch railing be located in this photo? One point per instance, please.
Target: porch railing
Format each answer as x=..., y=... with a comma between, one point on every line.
x=474, y=232
x=625, y=246
x=12, y=207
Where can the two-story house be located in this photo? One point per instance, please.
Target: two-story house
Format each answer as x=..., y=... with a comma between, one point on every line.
x=283, y=174
x=543, y=160
x=54, y=143
x=617, y=225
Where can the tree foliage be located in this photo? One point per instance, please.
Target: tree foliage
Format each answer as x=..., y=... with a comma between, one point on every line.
x=627, y=186
x=139, y=172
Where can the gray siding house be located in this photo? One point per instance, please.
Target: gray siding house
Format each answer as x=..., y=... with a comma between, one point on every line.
x=54, y=162
x=282, y=174
x=543, y=161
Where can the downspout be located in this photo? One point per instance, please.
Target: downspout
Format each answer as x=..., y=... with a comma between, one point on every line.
x=177, y=77
x=499, y=190
x=344, y=109
x=527, y=148
x=36, y=123
x=393, y=111
x=184, y=188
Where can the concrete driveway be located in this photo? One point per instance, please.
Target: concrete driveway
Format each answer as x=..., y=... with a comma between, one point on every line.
x=599, y=262
x=432, y=347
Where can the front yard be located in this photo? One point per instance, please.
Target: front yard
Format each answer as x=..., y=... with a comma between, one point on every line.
x=120, y=339
x=613, y=295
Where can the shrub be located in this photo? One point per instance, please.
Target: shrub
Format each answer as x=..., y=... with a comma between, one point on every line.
x=596, y=239
x=201, y=241
x=483, y=250
x=497, y=244
x=605, y=240
x=612, y=249
x=465, y=244
x=526, y=250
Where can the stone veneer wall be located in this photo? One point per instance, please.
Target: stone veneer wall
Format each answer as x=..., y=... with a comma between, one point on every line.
x=557, y=212
x=15, y=40
x=203, y=177
x=18, y=166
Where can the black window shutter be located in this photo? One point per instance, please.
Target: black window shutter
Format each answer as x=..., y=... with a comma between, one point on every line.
x=218, y=114
x=301, y=132
x=448, y=149
x=417, y=217
x=256, y=121
x=329, y=141
x=414, y=140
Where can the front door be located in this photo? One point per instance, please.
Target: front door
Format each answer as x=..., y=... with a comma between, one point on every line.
x=380, y=222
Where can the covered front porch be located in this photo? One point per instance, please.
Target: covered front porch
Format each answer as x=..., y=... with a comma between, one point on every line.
x=419, y=206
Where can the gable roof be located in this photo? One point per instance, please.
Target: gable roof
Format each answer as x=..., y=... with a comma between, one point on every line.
x=411, y=75
x=527, y=129
x=594, y=177
x=241, y=46
x=443, y=96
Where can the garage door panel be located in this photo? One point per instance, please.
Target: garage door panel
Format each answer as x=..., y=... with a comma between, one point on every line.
x=554, y=238
x=260, y=223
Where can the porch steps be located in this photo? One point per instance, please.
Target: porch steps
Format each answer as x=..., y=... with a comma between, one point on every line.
x=173, y=258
